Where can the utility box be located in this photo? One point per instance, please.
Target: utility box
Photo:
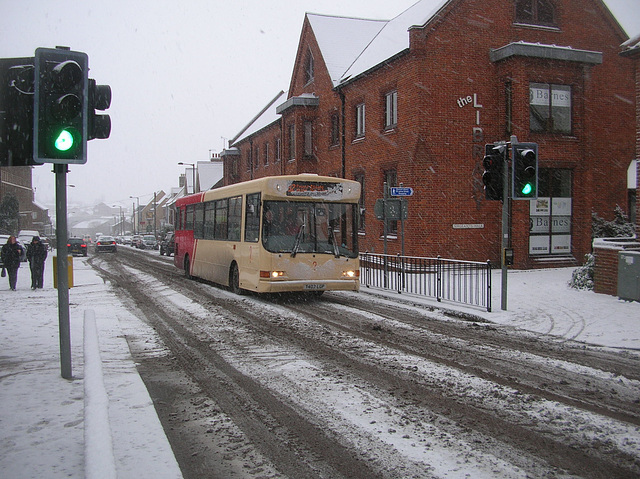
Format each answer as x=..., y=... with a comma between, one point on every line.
x=629, y=275
x=69, y=271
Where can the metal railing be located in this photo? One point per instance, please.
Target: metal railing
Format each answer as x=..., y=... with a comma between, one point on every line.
x=465, y=282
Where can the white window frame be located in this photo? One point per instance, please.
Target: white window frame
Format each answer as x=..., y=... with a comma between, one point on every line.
x=391, y=110
x=360, y=120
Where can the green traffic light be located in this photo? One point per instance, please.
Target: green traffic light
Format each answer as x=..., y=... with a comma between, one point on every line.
x=64, y=141
x=527, y=189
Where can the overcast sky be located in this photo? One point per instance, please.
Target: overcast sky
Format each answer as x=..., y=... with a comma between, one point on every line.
x=185, y=76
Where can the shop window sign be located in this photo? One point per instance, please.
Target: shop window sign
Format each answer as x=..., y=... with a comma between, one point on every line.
x=550, y=226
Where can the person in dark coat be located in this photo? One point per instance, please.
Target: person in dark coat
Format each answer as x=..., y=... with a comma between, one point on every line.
x=11, y=254
x=36, y=254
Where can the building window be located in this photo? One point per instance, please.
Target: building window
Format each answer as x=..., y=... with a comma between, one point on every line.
x=308, y=138
x=256, y=160
x=335, y=130
x=361, y=208
x=308, y=68
x=535, y=12
x=391, y=110
x=234, y=167
x=550, y=108
x=292, y=142
x=360, y=120
x=391, y=178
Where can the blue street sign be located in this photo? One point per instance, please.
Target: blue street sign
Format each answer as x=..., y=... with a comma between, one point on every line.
x=401, y=191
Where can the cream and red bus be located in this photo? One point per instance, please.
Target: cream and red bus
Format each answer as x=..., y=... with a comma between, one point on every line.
x=271, y=235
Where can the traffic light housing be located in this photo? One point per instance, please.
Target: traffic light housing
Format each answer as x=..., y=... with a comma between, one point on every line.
x=16, y=112
x=60, y=106
x=525, y=171
x=99, y=99
x=493, y=176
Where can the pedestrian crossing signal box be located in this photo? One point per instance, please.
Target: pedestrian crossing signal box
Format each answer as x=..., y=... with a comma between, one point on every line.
x=507, y=256
x=69, y=271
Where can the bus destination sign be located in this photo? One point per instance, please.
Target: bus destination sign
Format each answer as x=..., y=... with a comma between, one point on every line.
x=314, y=189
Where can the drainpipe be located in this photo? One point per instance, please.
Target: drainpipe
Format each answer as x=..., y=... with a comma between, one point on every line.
x=343, y=139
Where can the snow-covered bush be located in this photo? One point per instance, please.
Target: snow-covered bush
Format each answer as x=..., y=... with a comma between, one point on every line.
x=618, y=227
x=582, y=277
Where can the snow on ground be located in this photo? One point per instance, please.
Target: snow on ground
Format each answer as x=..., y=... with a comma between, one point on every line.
x=42, y=424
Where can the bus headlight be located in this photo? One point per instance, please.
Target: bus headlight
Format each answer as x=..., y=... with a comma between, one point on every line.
x=271, y=274
x=350, y=274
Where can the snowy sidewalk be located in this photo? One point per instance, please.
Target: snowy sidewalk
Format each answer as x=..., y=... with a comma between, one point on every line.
x=42, y=424
x=541, y=301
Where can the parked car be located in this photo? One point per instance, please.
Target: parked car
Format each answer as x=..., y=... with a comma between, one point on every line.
x=149, y=242
x=106, y=243
x=167, y=245
x=136, y=240
x=77, y=246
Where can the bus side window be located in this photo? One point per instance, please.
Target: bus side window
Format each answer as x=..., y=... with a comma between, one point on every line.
x=198, y=221
x=235, y=218
x=188, y=225
x=252, y=218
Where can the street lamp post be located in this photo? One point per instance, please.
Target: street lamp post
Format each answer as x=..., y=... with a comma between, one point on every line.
x=193, y=172
x=136, y=217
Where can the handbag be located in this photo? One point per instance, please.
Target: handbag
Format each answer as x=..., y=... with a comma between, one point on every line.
x=4, y=272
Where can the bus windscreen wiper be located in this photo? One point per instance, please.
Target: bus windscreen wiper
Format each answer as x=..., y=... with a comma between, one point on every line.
x=296, y=245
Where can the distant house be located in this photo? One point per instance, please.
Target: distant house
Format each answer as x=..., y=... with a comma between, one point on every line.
x=414, y=100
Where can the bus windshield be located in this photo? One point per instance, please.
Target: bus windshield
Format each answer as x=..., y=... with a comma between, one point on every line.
x=310, y=227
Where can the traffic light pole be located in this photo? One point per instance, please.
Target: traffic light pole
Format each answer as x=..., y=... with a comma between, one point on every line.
x=505, y=224
x=60, y=171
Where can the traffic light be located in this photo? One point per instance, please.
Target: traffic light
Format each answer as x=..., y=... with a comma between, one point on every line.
x=493, y=176
x=16, y=111
x=525, y=171
x=60, y=106
x=99, y=99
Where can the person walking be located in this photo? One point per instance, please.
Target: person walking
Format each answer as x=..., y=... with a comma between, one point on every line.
x=36, y=254
x=11, y=254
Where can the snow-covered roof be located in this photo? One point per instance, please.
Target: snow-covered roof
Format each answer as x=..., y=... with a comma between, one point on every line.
x=631, y=46
x=209, y=173
x=342, y=40
x=176, y=193
x=265, y=118
x=393, y=37
x=39, y=206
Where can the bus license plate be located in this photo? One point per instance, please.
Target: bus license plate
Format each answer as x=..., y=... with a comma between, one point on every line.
x=314, y=287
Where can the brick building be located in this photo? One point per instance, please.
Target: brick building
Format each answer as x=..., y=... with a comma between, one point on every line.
x=413, y=101
x=16, y=180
